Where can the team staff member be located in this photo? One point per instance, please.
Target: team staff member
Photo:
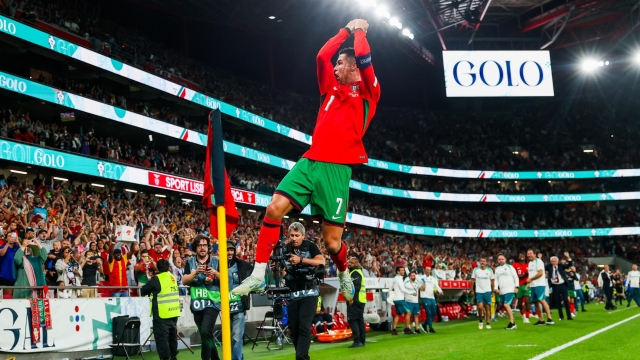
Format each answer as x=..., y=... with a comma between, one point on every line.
x=522, y=269
x=349, y=93
x=482, y=282
x=538, y=285
x=606, y=284
x=412, y=302
x=398, y=290
x=634, y=285
x=558, y=280
x=506, y=285
x=199, y=274
x=355, y=307
x=303, y=298
x=165, y=307
x=429, y=286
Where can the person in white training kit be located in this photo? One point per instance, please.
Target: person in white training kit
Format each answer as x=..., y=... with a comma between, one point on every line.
x=506, y=285
x=483, y=279
x=537, y=282
x=412, y=302
x=398, y=290
x=634, y=285
x=428, y=286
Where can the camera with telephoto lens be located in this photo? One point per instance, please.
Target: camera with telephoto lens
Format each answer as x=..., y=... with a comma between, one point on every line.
x=283, y=252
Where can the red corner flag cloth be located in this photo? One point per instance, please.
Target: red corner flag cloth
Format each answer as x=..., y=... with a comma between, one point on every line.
x=217, y=189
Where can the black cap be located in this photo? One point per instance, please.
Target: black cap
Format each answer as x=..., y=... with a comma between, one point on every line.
x=117, y=251
x=42, y=231
x=29, y=229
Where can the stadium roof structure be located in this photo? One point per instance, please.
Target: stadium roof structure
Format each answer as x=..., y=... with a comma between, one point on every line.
x=436, y=24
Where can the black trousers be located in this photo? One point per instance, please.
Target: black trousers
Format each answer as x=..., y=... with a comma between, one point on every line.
x=205, y=321
x=301, y=312
x=608, y=292
x=355, y=313
x=165, y=332
x=560, y=293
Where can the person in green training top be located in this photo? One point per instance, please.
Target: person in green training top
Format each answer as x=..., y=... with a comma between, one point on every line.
x=165, y=307
x=355, y=308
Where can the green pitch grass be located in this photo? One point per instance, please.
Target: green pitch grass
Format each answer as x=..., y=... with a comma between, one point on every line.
x=463, y=340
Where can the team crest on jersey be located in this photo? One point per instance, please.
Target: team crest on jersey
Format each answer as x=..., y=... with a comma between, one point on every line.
x=355, y=90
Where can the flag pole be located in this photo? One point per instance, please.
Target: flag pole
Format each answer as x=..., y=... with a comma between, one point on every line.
x=224, y=283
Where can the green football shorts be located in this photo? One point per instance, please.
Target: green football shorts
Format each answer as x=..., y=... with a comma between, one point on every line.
x=323, y=185
x=572, y=293
x=523, y=291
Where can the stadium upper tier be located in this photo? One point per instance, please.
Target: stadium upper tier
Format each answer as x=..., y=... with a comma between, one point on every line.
x=56, y=96
x=463, y=150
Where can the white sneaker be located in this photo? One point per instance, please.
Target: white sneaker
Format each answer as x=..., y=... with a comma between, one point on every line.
x=525, y=320
x=480, y=325
x=249, y=285
x=346, y=285
x=488, y=326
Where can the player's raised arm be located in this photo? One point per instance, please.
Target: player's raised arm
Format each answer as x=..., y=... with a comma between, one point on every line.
x=363, y=59
x=326, y=77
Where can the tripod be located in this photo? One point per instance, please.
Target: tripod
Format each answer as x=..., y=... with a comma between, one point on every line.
x=177, y=334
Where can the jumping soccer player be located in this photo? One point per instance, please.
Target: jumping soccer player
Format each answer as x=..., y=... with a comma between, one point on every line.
x=522, y=269
x=349, y=95
x=483, y=279
x=506, y=285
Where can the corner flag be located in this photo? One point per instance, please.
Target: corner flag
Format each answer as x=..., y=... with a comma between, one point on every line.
x=217, y=189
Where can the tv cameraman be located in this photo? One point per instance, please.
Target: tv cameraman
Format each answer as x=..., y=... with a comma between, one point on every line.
x=304, y=266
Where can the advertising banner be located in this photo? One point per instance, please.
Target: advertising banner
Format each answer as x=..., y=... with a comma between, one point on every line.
x=76, y=324
x=497, y=73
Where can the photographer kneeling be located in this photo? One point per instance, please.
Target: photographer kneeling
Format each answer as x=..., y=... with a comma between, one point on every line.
x=304, y=267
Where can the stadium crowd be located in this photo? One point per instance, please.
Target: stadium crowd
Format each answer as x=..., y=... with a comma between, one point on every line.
x=76, y=224
x=18, y=125
x=532, y=137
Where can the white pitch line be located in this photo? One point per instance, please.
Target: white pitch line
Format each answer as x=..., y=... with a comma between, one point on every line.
x=579, y=340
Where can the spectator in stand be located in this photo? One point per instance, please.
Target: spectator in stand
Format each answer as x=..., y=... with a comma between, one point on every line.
x=8, y=251
x=29, y=265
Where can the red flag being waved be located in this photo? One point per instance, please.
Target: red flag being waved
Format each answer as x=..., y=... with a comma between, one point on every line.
x=217, y=189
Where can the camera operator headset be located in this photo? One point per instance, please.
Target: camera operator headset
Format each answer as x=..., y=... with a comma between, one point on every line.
x=304, y=267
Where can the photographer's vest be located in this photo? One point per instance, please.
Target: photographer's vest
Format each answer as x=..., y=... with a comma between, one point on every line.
x=208, y=295
x=168, y=299
x=362, y=295
x=319, y=306
x=301, y=288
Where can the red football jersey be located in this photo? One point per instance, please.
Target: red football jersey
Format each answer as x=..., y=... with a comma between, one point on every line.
x=522, y=269
x=346, y=109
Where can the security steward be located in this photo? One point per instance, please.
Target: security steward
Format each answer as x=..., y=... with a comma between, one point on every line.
x=165, y=307
x=304, y=266
x=355, y=307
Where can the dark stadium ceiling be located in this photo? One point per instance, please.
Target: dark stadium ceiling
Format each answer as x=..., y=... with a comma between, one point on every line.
x=437, y=24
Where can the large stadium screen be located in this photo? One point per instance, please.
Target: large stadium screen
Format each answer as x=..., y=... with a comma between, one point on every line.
x=497, y=73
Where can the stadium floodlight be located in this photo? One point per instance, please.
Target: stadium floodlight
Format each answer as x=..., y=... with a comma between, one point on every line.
x=60, y=179
x=600, y=63
x=131, y=191
x=395, y=22
x=272, y=17
x=19, y=172
x=589, y=65
x=251, y=211
x=606, y=63
x=160, y=196
x=406, y=32
x=638, y=57
x=588, y=150
x=97, y=185
x=186, y=200
x=382, y=11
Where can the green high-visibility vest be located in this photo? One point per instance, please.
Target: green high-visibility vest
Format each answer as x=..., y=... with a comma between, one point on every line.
x=168, y=298
x=362, y=295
